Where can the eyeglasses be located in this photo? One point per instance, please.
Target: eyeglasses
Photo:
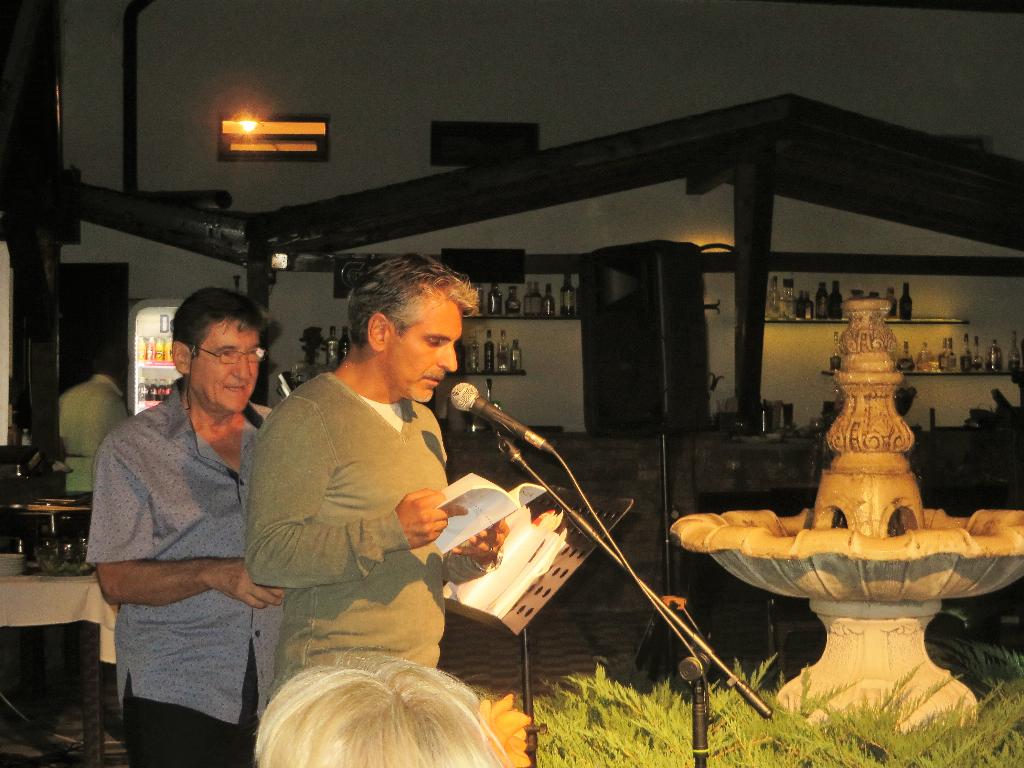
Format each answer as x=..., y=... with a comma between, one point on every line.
x=234, y=356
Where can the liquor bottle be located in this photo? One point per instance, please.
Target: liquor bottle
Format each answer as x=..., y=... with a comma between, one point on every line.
x=808, y=313
x=547, y=307
x=532, y=301
x=568, y=296
x=787, y=300
x=512, y=305
x=772, y=309
x=951, y=356
x=995, y=357
x=344, y=344
x=906, y=305
x=488, y=353
x=501, y=364
x=331, y=350
x=515, y=357
x=480, y=302
x=925, y=359
x=835, y=302
x=1013, y=363
x=473, y=355
x=976, y=362
x=905, y=362
x=494, y=303
x=821, y=302
x=890, y=294
x=835, y=362
x=941, y=360
x=965, y=355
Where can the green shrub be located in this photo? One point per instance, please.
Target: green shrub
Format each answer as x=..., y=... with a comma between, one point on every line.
x=593, y=720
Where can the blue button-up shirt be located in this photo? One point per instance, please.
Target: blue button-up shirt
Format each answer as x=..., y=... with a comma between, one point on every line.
x=162, y=493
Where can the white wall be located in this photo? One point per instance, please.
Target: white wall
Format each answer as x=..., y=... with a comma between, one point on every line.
x=383, y=70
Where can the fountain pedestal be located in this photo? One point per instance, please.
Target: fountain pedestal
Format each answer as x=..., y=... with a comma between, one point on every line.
x=871, y=650
x=874, y=562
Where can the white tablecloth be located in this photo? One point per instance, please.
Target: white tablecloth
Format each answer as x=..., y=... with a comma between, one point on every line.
x=31, y=601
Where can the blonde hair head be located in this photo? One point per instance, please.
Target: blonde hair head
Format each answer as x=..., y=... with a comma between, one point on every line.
x=374, y=710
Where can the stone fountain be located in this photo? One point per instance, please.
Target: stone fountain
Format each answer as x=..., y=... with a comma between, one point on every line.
x=873, y=561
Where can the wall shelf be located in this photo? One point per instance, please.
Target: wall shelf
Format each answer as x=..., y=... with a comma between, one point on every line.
x=528, y=317
x=945, y=373
x=492, y=373
x=889, y=321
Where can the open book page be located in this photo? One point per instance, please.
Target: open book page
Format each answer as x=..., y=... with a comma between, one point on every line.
x=528, y=553
x=476, y=504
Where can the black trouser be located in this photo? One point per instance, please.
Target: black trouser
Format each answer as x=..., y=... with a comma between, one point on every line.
x=160, y=735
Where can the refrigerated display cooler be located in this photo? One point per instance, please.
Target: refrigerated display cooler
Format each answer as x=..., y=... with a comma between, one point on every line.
x=152, y=371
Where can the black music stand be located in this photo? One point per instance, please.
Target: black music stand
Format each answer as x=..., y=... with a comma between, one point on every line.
x=576, y=549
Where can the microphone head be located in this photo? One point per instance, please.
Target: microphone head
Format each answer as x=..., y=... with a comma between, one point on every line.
x=464, y=395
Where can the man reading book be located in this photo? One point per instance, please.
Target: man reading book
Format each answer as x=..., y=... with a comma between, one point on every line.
x=344, y=507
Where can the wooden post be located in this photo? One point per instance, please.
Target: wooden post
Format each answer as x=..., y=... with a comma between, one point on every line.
x=753, y=203
x=257, y=287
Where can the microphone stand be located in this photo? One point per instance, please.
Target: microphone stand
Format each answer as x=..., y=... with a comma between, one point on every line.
x=689, y=637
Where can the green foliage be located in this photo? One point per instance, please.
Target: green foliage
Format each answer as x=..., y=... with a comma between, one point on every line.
x=595, y=721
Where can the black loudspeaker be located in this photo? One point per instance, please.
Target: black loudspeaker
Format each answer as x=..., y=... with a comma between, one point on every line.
x=645, y=349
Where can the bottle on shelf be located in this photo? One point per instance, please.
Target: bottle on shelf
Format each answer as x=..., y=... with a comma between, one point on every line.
x=995, y=357
x=941, y=360
x=906, y=306
x=568, y=296
x=150, y=349
x=547, y=307
x=473, y=355
x=925, y=359
x=977, y=363
x=515, y=357
x=512, y=305
x=1013, y=361
x=481, y=302
x=489, y=353
x=905, y=362
x=787, y=299
x=772, y=307
x=344, y=344
x=331, y=349
x=950, y=355
x=965, y=355
x=532, y=300
x=835, y=302
x=808, y=313
x=494, y=302
x=890, y=294
x=501, y=358
x=821, y=302
x=835, y=362
x=140, y=348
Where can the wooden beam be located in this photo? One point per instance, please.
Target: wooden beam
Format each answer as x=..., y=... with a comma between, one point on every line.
x=753, y=204
x=17, y=66
x=212, y=233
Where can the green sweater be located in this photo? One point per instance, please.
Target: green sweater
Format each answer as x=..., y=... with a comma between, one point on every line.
x=327, y=475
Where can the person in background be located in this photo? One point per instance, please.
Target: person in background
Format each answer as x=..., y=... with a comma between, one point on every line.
x=387, y=713
x=195, y=634
x=88, y=411
x=347, y=480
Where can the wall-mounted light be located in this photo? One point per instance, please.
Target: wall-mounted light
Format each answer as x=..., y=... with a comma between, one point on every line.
x=278, y=137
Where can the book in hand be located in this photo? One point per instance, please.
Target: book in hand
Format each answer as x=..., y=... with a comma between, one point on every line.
x=528, y=553
x=475, y=504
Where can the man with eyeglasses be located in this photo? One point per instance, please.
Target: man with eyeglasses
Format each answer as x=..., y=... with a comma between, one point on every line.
x=195, y=635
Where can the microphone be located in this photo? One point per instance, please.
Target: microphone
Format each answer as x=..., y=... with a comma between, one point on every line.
x=466, y=397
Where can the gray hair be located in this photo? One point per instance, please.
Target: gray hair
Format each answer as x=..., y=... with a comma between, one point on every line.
x=396, y=286
x=374, y=710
